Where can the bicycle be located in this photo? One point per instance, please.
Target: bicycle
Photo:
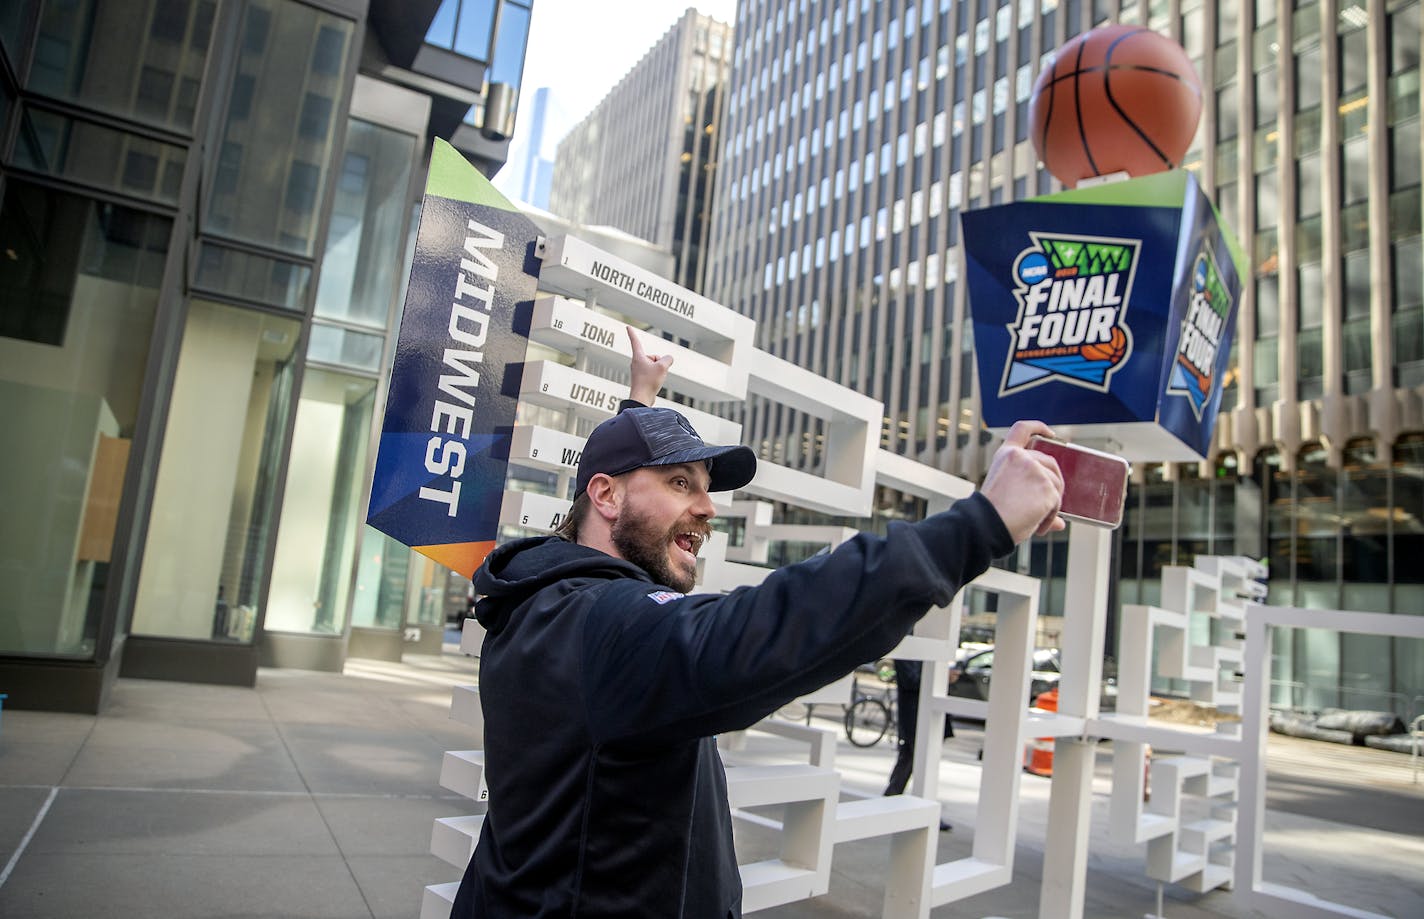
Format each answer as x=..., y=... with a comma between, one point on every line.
x=870, y=715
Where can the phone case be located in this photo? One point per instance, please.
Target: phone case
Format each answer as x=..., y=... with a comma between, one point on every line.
x=1094, y=482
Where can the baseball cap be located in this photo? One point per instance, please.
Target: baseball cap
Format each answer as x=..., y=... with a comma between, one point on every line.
x=638, y=437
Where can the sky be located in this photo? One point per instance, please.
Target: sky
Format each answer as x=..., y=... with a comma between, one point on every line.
x=580, y=49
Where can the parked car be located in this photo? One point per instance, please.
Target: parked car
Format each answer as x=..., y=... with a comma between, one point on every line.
x=976, y=669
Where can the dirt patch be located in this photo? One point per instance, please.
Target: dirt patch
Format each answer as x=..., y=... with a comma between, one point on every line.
x=1185, y=711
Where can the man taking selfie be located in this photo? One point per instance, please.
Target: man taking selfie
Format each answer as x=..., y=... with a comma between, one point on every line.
x=604, y=681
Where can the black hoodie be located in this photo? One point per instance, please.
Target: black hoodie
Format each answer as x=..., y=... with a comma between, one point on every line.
x=602, y=693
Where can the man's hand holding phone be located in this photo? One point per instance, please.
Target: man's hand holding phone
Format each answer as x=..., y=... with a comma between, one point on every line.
x=1094, y=482
x=1025, y=485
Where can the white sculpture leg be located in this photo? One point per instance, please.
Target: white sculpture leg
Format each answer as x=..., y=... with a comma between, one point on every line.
x=1065, y=857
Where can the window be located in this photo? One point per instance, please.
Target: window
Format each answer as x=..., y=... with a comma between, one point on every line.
x=247, y=203
x=329, y=52
x=316, y=117
x=78, y=288
x=508, y=62
x=358, y=275
x=74, y=55
x=302, y=187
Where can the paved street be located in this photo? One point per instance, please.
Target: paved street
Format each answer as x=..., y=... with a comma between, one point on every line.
x=314, y=795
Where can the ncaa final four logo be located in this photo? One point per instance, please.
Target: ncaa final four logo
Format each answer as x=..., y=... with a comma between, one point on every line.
x=1194, y=367
x=1073, y=293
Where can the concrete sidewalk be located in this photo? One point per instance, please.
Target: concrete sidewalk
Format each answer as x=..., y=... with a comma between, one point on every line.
x=314, y=794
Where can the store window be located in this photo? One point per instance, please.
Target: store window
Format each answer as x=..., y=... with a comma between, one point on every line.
x=1158, y=499
x=210, y=526
x=1193, y=514
x=1130, y=551
x=1364, y=526
x=1270, y=482
x=323, y=508
x=1317, y=529
x=78, y=292
x=1226, y=477
x=1407, y=519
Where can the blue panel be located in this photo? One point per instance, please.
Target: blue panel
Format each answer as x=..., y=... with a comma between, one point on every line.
x=444, y=448
x=1090, y=313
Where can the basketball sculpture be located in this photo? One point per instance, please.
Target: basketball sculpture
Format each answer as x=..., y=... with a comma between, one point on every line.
x=1115, y=99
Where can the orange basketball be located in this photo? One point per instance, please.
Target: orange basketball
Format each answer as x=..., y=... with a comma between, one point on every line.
x=1111, y=350
x=1115, y=99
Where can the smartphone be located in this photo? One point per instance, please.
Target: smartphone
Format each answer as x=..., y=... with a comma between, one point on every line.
x=1094, y=482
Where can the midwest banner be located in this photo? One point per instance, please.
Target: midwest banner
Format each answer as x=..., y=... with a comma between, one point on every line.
x=444, y=448
x=1108, y=312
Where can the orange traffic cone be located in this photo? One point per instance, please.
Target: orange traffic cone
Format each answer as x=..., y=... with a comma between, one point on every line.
x=1038, y=753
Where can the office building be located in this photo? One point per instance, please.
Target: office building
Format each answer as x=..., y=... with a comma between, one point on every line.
x=855, y=132
x=642, y=161
x=205, y=211
x=537, y=177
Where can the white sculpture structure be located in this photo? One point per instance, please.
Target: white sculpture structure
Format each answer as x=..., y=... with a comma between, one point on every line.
x=720, y=365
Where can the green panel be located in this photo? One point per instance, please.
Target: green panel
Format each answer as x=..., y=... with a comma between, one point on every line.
x=1164, y=189
x=451, y=176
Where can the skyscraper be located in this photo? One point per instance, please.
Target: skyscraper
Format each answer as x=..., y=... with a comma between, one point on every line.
x=855, y=133
x=537, y=178
x=643, y=160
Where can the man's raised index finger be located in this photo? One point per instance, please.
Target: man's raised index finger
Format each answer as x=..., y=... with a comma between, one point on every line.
x=634, y=341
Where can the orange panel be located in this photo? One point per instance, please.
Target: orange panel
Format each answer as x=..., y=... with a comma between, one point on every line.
x=460, y=557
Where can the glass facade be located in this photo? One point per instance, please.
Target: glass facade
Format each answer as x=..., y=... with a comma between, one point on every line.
x=276, y=144
x=492, y=31
x=141, y=61
x=368, y=214
x=1333, y=537
x=203, y=208
x=79, y=285
x=861, y=129
x=323, y=505
x=208, y=534
x=381, y=584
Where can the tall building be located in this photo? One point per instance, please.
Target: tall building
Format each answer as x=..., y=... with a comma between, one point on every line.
x=537, y=179
x=203, y=210
x=643, y=160
x=855, y=133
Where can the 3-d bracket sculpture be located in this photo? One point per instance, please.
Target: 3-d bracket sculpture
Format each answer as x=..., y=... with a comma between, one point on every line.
x=560, y=400
x=1195, y=631
x=1189, y=825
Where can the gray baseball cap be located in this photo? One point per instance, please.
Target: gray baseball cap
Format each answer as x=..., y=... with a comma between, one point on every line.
x=638, y=437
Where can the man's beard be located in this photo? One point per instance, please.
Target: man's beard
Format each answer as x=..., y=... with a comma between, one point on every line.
x=644, y=545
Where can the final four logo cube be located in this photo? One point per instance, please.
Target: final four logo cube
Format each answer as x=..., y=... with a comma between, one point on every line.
x=1107, y=312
